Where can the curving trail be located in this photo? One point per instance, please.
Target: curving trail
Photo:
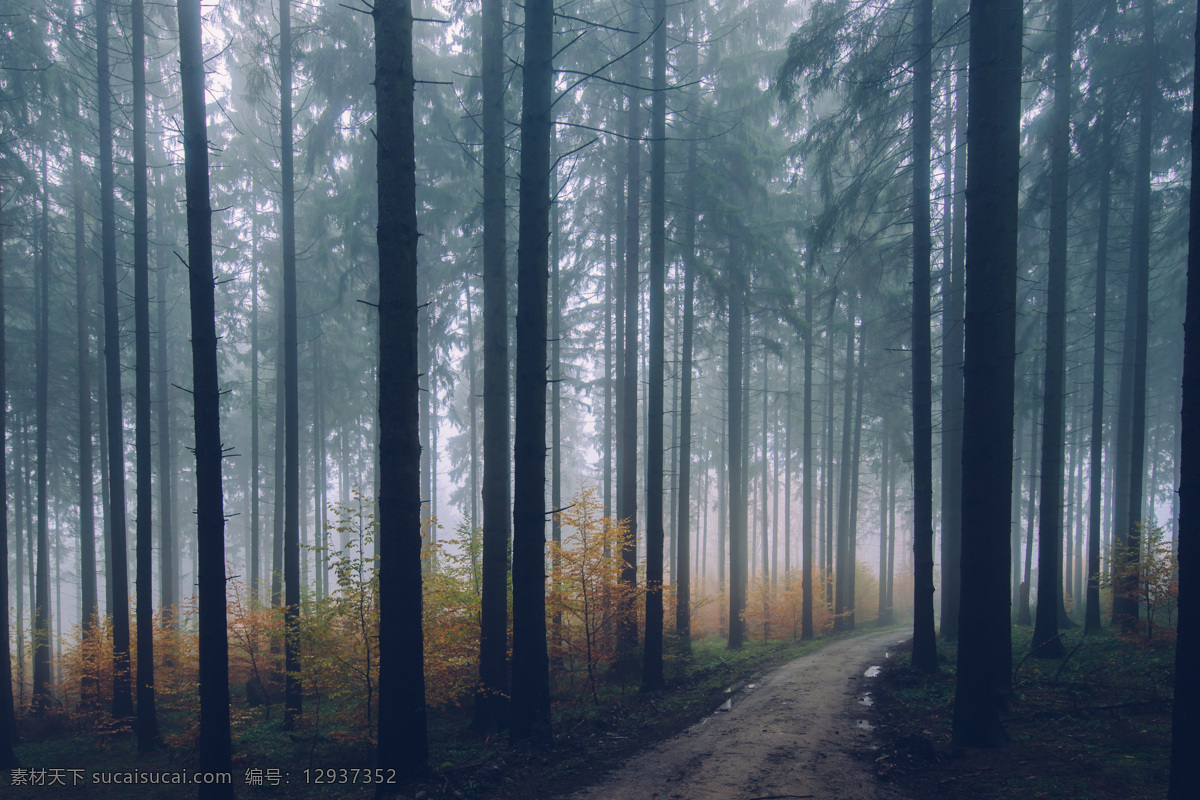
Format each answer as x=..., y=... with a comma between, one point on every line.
x=790, y=736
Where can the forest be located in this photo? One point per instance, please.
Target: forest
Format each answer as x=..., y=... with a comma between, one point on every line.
x=454, y=399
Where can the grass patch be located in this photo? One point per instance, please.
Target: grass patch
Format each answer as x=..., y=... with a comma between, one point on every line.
x=1095, y=725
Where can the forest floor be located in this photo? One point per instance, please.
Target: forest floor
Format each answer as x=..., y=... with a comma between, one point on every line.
x=777, y=719
x=592, y=740
x=1094, y=726
x=792, y=734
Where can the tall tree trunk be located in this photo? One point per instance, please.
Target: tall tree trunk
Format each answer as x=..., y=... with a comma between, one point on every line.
x=472, y=405
x=924, y=656
x=787, y=478
x=683, y=581
x=1046, y=642
x=555, y=417
x=19, y=520
x=952, y=376
x=255, y=517
x=215, y=746
x=827, y=448
x=102, y=439
x=280, y=470
x=1091, y=622
x=1125, y=607
x=531, y=686
x=8, y=723
x=293, y=693
x=737, y=498
x=806, y=457
x=168, y=569
x=993, y=157
x=885, y=617
x=609, y=382
x=652, y=667
x=1024, y=615
x=402, y=739
x=1185, y=736
x=90, y=612
x=42, y=611
x=764, y=496
x=841, y=600
x=320, y=535
x=627, y=455
x=492, y=692
x=147, y=722
x=119, y=569
x=854, y=477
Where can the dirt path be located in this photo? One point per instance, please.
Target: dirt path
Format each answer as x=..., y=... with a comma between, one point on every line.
x=788, y=736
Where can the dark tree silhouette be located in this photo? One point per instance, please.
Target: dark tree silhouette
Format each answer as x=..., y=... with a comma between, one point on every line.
x=8, y=723
x=490, y=697
x=402, y=741
x=993, y=155
x=89, y=610
x=807, y=464
x=168, y=559
x=1185, y=735
x=147, y=720
x=293, y=693
x=531, y=676
x=924, y=656
x=628, y=421
x=1091, y=622
x=215, y=745
x=737, y=499
x=1046, y=642
x=683, y=580
x=652, y=666
x=41, y=600
x=952, y=378
x=114, y=518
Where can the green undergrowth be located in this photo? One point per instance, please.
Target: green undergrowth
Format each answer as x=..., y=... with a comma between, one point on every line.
x=1094, y=724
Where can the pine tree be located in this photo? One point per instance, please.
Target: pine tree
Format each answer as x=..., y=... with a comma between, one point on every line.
x=402, y=739
x=215, y=743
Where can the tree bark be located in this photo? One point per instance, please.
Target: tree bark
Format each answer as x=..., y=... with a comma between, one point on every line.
x=807, y=463
x=627, y=455
x=841, y=599
x=147, y=722
x=1046, y=641
x=531, y=684
x=119, y=569
x=402, y=742
x=42, y=611
x=855, y=457
x=255, y=517
x=168, y=569
x=993, y=156
x=652, y=666
x=1125, y=608
x=90, y=611
x=1185, y=736
x=215, y=745
x=8, y=723
x=924, y=656
x=683, y=581
x=952, y=376
x=1091, y=622
x=492, y=692
x=737, y=498
x=293, y=693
